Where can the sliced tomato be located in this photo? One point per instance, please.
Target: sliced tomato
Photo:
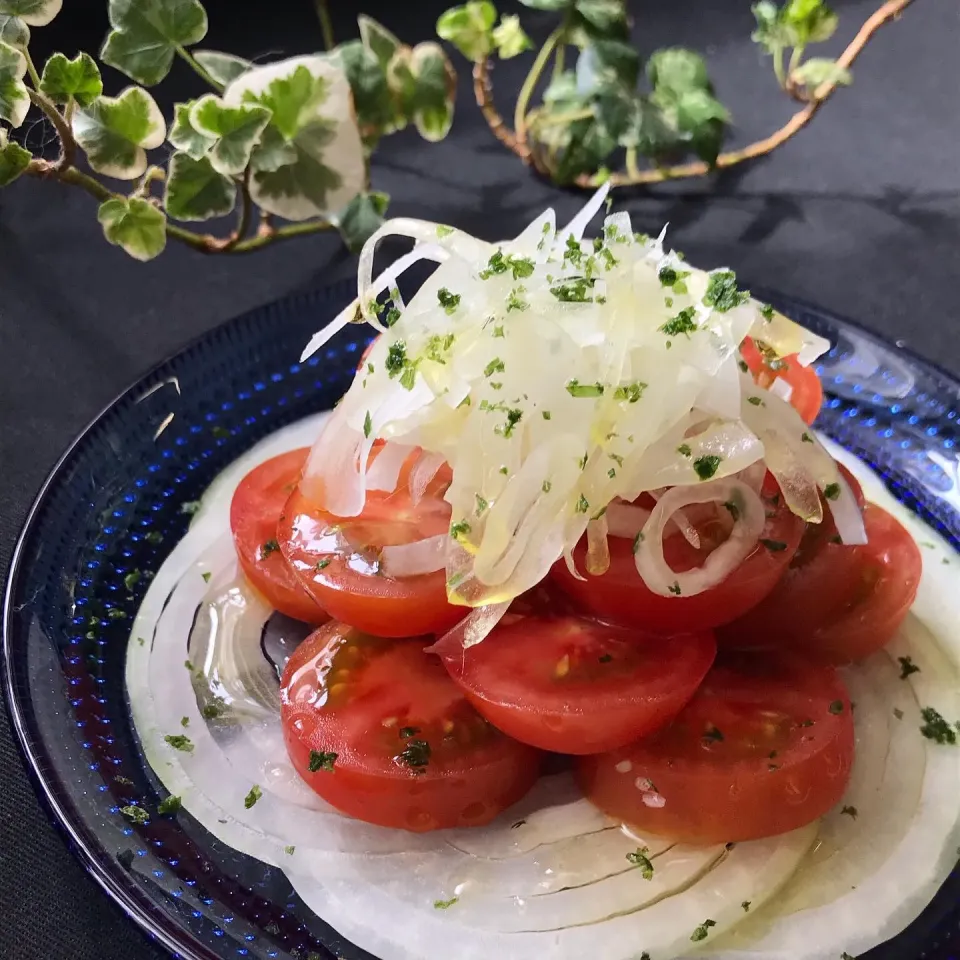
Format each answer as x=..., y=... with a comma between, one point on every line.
x=621, y=596
x=338, y=559
x=254, y=514
x=380, y=731
x=840, y=603
x=816, y=534
x=578, y=686
x=765, y=746
x=806, y=390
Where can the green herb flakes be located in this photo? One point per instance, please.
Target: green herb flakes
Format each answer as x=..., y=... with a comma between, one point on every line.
x=583, y=505
x=705, y=467
x=271, y=546
x=321, y=760
x=252, y=797
x=169, y=805
x=131, y=580
x=135, y=814
x=722, y=293
x=179, y=742
x=684, y=450
x=443, y=231
x=184, y=721
x=584, y=390
x=898, y=713
x=637, y=540
x=675, y=589
x=702, y=931
x=481, y=505
x=546, y=486
x=713, y=735
x=836, y=707
x=459, y=529
x=444, y=904
x=745, y=906
x=766, y=311
x=289, y=851
x=322, y=564
x=515, y=300
x=755, y=401
x=449, y=301
x=631, y=392
x=190, y=507
x=849, y=812
x=406, y=733
x=579, y=290
x=936, y=728
x=907, y=666
x=831, y=491
x=639, y=858
x=774, y=546
x=683, y=323
x=367, y=424
x=494, y=366
x=416, y=755
x=546, y=414
x=806, y=438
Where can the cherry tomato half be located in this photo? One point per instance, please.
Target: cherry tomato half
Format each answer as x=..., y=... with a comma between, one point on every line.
x=380, y=731
x=338, y=559
x=841, y=603
x=807, y=391
x=621, y=596
x=254, y=514
x=578, y=686
x=765, y=746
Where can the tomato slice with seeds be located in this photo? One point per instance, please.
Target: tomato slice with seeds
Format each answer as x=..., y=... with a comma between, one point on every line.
x=621, y=596
x=254, y=514
x=806, y=395
x=841, y=603
x=380, y=731
x=764, y=747
x=578, y=686
x=338, y=558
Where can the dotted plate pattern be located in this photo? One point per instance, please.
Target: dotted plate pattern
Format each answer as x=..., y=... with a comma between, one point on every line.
x=112, y=509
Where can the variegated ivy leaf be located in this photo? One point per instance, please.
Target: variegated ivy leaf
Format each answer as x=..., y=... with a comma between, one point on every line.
x=13, y=159
x=185, y=136
x=195, y=191
x=14, y=31
x=134, y=224
x=14, y=98
x=236, y=130
x=377, y=39
x=372, y=101
x=510, y=38
x=310, y=160
x=470, y=28
x=77, y=79
x=147, y=33
x=115, y=132
x=37, y=13
x=425, y=84
x=362, y=217
x=223, y=67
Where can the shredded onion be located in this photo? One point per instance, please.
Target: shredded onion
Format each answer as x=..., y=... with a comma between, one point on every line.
x=424, y=470
x=625, y=519
x=385, y=469
x=413, y=559
x=748, y=525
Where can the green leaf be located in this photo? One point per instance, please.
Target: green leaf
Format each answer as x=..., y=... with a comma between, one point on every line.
x=14, y=98
x=185, y=136
x=115, y=132
x=563, y=92
x=147, y=33
x=811, y=21
x=77, y=79
x=236, y=130
x=617, y=58
x=309, y=162
x=677, y=69
x=469, y=28
x=37, y=13
x=362, y=217
x=435, y=87
x=13, y=159
x=569, y=149
x=603, y=19
x=14, y=31
x=368, y=83
x=770, y=32
x=616, y=109
x=702, y=118
x=509, y=38
x=377, y=39
x=547, y=4
x=134, y=224
x=653, y=133
x=223, y=67
x=195, y=191
x=818, y=70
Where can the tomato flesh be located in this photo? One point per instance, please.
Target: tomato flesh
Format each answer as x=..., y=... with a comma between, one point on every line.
x=578, y=686
x=840, y=604
x=621, y=595
x=410, y=750
x=806, y=395
x=338, y=559
x=764, y=747
x=254, y=514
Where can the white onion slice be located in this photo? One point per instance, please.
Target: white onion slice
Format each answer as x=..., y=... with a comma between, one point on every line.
x=748, y=525
x=384, y=472
x=782, y=389
x=847, y=515
x=589, y=210
x=625, y=519
x=413, y=559
x=424, y=470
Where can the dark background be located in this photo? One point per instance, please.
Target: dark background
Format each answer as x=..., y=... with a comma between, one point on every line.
x=860, y=214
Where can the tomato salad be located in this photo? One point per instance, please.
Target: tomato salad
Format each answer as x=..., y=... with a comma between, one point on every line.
x=701, y=718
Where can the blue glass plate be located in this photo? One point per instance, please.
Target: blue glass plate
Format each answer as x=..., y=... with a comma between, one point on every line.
x=112, y=505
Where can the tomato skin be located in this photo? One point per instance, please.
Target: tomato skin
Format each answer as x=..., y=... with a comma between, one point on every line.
x=619, y=595
x=367, y=700
x=685, y=786
x=578, y=686
x=842, y=603
x=349, y=585
x=254, y=511
x=807, y=391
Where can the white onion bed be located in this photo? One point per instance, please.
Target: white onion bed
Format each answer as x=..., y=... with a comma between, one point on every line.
x=549, y=879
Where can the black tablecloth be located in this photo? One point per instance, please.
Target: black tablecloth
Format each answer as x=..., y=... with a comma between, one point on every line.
x=860, y=213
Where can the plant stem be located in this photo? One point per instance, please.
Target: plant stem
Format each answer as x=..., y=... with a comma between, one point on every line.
x=326, y=25
x=526, y=91
x=68, y=146
x=559, y=64
x=188, y=57
x=243, y=221
x=888, y=11
x=283, y=233
x=778, y=68
x=794, y=60
x=632, y=169
x=31, y=68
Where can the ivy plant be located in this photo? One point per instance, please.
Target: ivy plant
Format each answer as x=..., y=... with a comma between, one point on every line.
x=608, y=108
x=289, y=139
